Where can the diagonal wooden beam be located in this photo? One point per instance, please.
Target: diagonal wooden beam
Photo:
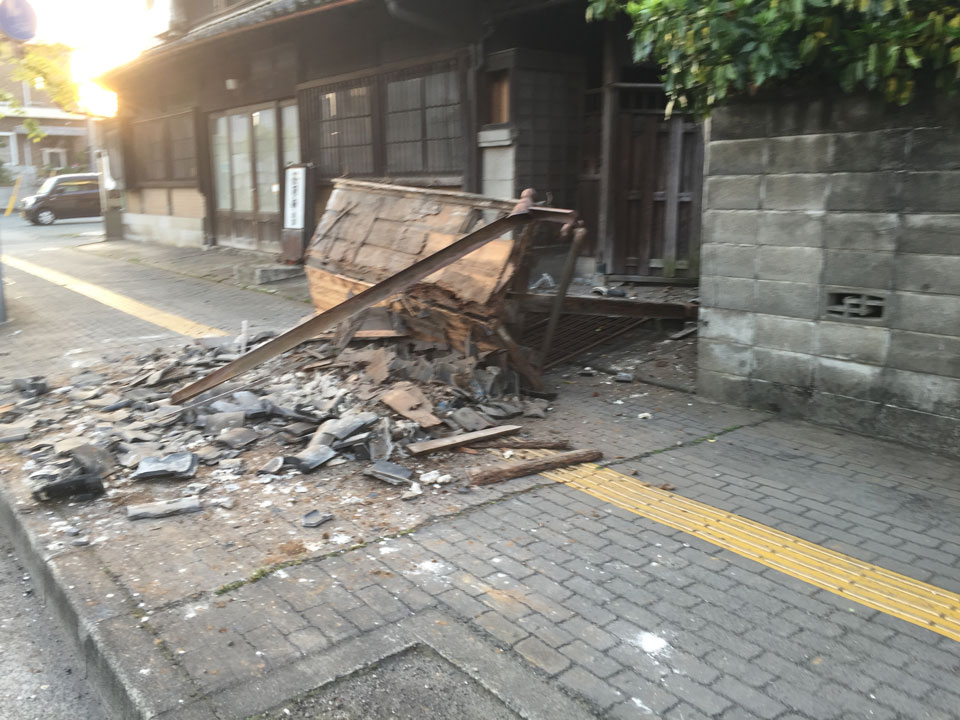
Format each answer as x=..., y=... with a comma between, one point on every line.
x=368, y=298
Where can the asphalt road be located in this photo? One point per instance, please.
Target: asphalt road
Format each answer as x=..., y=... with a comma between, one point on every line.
x=41, y=678
x=17, y=234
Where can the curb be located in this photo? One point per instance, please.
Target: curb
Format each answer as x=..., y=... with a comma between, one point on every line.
x=63, y=579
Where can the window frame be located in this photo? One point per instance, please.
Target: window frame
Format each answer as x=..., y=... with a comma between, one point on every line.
x=247, y=111
x=168, y=158
x=309, y=94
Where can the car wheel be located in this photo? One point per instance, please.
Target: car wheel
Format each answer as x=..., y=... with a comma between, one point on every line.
x=45, y=217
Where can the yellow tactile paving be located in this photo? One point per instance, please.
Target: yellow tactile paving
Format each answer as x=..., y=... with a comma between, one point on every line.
x=898, y=595
x=117, y=301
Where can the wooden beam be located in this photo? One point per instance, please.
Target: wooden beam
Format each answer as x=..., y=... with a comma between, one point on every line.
x=522, y=445
x=455, y=441
x=351, y=306
x=671, y=211
x=608, y=307
x=510, y=470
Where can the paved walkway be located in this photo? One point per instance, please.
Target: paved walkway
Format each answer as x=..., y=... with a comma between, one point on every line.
x=558, y=603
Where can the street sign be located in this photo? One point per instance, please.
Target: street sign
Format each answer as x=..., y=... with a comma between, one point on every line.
x=18, y=21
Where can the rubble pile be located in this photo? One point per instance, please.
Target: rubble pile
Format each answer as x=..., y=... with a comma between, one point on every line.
x=297, y=419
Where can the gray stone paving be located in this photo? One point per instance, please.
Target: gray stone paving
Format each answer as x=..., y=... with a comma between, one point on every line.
x=558, y=603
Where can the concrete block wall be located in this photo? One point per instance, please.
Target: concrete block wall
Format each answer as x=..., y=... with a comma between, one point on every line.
x=808, y=201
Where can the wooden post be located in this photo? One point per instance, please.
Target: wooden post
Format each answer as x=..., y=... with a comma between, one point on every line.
x=606, y=228
x=568, y=269
x=671, y=211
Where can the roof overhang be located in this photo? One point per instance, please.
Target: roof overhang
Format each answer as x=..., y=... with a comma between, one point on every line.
x=242, y=20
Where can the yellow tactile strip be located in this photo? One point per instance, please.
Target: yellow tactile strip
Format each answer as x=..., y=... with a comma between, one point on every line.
x=117, y=301
x=898, y=595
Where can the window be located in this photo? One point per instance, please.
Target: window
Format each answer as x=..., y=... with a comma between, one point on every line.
x=498, y=97
x=290, y=121
x=241, y=163
x=265, y=144
x=245, y=148
x=54, y=157
x=183, y=153
x=342, y=134
x=403, y=123
x=220, y=142
x=8, y=148
x=165, y=149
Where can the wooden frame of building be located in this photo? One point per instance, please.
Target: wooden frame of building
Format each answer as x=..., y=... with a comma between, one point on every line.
x=487, y=96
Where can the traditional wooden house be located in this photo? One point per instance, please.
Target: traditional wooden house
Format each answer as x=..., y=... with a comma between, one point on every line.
x=486, y=96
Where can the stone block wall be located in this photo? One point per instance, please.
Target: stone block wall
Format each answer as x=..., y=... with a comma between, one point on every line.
x=831, y=265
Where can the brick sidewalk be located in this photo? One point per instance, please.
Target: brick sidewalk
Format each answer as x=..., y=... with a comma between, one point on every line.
x=559, y=604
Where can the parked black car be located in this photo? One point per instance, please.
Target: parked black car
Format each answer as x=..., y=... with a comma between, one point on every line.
x=63, y=196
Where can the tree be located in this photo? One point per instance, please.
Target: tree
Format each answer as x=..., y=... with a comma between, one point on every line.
x=49, y=63
x=710, y=50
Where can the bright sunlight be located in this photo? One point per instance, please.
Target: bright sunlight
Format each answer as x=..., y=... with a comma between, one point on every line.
x=104, y=34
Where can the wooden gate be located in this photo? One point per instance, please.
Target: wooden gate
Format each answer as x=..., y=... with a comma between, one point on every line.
x=656, y=185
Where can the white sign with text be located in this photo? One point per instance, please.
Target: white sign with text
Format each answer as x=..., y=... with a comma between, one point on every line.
x=295, y=197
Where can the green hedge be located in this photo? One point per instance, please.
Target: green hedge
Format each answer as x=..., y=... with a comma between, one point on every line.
x=711, y=50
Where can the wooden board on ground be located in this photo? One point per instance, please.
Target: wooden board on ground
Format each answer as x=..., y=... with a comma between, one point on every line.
x=455, y=441
x=510, y=470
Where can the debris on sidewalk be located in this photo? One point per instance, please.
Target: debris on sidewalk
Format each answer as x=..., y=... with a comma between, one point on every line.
x=453, y=441
x=315, y=518
x=508, y=471
x=164, y=508
x=178, y=466
x=72, y=481
x=389, y=411
x=30, y=387
x=389, y=472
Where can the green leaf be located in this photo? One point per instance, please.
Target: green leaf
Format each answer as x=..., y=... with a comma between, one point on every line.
x=913, y=60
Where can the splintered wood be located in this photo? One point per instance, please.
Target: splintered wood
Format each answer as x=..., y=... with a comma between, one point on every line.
x=369, y=230
x=408, y=400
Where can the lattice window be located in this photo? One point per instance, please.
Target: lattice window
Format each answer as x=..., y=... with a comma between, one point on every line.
x=340, y=123
x=183, y=147
x=165, y=149
x=149, y=151
x=424, y=131
x=402, y=123
x=855, y=305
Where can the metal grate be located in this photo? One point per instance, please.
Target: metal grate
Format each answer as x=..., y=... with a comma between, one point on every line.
x=576, y=334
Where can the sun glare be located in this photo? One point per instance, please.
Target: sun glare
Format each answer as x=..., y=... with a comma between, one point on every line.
x=104, y=34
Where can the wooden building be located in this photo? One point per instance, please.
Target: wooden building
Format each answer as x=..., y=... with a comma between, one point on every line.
x=487, y=96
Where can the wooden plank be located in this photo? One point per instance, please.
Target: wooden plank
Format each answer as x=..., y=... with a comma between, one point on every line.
x=651, y=280
x=350, y=307
x=408, y=400
x=674, y=159
x=686, y=332
x=508, y=471
x=455, y=441
x=523, y=445
x=608, y=307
